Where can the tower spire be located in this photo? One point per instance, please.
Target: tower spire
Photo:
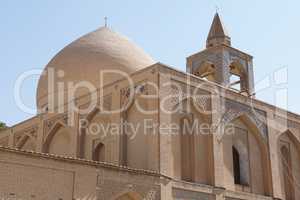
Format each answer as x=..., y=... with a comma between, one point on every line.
x=217, y=34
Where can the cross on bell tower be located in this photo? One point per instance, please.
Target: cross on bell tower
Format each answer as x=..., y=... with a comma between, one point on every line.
x=105, y=21
x=221, y=63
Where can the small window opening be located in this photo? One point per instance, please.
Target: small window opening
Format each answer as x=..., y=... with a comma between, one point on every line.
x=235, y=82
x=235, y=78
x=236, y=166
x=99, y=153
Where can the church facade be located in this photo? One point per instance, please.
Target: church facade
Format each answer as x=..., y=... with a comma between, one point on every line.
x=113, y=124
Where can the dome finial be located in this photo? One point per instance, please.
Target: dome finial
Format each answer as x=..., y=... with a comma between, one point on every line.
x=217, y=9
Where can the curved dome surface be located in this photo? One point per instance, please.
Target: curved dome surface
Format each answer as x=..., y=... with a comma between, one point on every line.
x=85, y=58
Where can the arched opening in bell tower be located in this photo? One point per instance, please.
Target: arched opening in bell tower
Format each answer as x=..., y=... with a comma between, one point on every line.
x=206, y=71
x=237, y=77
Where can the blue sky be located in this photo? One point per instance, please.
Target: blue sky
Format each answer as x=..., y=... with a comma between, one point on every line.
x=32, y=32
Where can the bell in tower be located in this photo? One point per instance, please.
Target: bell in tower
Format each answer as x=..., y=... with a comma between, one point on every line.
x=221, y=63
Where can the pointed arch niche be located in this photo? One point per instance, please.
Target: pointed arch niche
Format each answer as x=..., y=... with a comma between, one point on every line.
x=27, y=142
x=135, y=137
x=289, y=164
x=246, y=156
x=58, y=140
x=94, y=136
x=192, y=145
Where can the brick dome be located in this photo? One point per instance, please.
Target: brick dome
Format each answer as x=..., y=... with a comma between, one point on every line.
x=86, y=57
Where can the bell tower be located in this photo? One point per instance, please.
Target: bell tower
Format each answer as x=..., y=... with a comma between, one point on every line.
x=221, y=63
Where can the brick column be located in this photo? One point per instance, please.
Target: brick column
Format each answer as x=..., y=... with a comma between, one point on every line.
x=116, y=153
x=275, y=172
x=40, y=134
x=219, y=192
x=165, y=146
x=73, y=122
x=166, y=191
x=217, y=144
x=11, y=138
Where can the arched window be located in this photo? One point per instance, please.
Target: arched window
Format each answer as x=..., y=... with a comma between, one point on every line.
x=287, y=171
x=99, y=153
x=236, y=166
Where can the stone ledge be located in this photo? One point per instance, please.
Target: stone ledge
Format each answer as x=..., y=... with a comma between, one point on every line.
x=82, y=161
